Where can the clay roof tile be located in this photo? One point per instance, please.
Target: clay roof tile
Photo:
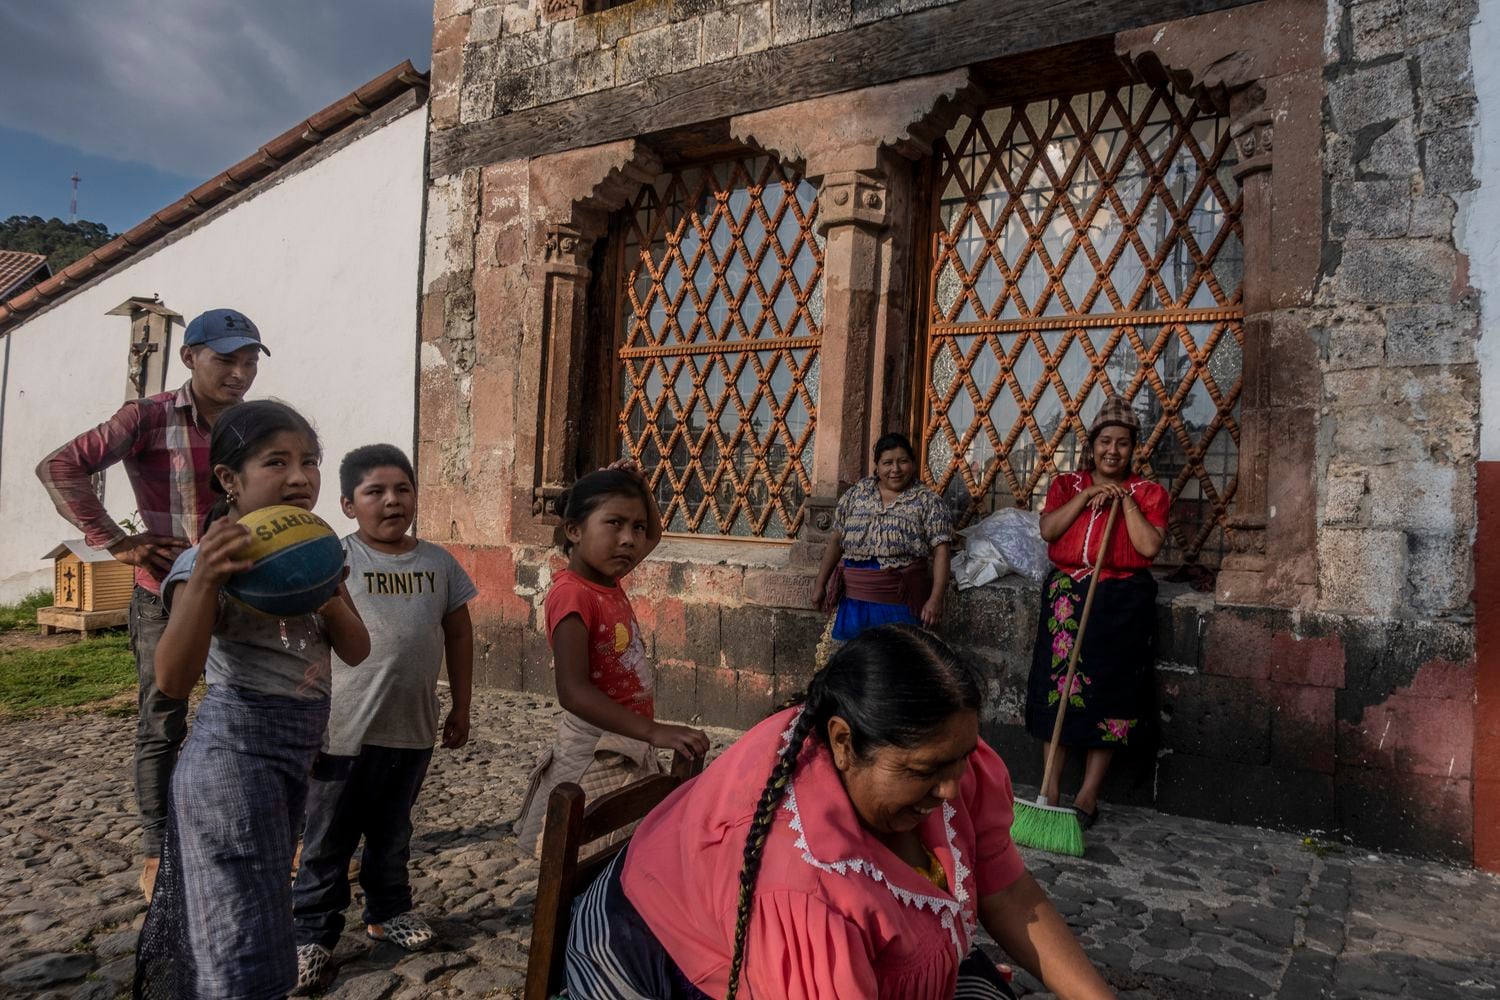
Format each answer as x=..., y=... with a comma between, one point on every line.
x=19, y=266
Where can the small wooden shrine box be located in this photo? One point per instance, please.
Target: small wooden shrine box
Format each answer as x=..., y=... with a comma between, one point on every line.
x=91, y=590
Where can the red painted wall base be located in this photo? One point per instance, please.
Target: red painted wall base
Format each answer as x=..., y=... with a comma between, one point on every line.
x=1487, y=674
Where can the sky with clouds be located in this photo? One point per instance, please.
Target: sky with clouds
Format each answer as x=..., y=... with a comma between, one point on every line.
x=148, y=98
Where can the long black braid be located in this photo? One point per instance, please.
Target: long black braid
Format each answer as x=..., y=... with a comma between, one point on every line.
x=894, y=685
x=811, y=718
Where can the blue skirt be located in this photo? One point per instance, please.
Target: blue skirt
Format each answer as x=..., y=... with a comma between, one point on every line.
x=854, y=617
x=220, y=922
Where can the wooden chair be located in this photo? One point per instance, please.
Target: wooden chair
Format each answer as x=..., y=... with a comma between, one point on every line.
x=571, y=825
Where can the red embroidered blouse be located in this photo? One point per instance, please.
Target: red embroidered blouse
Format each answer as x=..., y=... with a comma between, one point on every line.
x=1075, y=551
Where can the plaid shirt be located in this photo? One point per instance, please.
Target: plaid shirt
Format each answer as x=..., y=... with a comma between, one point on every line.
x=165, y=450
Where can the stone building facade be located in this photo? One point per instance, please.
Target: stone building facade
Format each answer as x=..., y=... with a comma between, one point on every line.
x=739, y=239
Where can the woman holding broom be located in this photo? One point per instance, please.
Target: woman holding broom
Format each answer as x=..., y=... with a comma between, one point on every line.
x=1110, y=694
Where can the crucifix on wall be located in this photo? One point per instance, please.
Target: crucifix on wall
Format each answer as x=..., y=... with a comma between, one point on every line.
x=135, y=372
x=150, y=336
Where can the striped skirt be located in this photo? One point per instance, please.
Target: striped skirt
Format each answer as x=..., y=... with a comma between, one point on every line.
x=220, y=922
x=612, y=954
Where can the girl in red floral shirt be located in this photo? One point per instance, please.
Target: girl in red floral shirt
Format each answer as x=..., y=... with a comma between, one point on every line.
x=608, y=730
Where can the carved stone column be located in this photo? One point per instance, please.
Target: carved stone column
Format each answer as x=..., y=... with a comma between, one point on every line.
x=852, y=145
x=1242, y=573
x=853, y=215
x=565, y=279
x=1262, y=64
x=568, y=200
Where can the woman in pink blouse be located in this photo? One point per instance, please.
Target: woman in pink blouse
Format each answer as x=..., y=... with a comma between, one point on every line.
x=847, y=849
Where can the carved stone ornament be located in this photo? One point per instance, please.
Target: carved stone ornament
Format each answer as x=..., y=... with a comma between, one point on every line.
x=1247, y=537
x=1254, y=136
x=544, y=502
x=853, y=198
x=566, y=245
x=819, y=517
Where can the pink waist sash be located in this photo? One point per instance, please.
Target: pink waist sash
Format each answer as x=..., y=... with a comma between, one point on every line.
x=909, y=585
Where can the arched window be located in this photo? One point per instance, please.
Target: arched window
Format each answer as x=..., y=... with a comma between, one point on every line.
x=721, y=306
x=1085, y=247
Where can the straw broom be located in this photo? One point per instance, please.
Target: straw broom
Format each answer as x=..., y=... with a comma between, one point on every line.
x=1039, y=824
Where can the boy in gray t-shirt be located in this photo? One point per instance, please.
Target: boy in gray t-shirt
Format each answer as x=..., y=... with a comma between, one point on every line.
x=383, y=722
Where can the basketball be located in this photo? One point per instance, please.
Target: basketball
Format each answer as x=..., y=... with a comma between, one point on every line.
x=299, y=562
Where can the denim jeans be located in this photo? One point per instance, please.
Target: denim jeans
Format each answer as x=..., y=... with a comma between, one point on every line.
x=162, y=722
x=370, y=795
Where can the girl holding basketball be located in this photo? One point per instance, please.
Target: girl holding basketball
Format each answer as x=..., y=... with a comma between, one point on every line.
x=220, y=923
x=608, y=729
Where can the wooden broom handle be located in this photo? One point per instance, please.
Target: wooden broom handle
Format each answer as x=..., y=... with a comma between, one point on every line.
x=1083, y=621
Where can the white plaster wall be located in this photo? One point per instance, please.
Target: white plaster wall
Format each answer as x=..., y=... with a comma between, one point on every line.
x=1479, y=222
x=325, y=263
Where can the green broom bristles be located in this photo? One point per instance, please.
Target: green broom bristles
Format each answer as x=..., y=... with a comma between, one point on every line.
x=1053, y=829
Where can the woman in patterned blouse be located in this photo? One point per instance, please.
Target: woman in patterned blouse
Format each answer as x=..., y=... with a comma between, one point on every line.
x=892, y=534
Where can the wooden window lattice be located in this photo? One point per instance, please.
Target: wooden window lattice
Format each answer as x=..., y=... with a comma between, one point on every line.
x=1085, y=247
x=722, y=314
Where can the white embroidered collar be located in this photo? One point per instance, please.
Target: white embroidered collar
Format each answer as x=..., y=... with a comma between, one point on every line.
x=961, y=906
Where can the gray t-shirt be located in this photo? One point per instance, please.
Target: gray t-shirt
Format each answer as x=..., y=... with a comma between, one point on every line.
x=390, y=700
x=256, y=652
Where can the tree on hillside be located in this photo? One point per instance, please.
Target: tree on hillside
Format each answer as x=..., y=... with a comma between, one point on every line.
x=62, y=242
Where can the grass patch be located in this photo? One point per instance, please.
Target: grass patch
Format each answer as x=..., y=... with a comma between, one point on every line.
x=22, y=615
x=78, y=674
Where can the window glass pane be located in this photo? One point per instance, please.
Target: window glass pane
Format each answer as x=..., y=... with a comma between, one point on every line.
x=1087, y=246
x=725, y=437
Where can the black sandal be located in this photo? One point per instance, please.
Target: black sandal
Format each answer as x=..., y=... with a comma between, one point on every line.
x=1086, y=819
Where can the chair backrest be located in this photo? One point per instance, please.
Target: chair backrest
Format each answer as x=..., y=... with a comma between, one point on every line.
x=572, y=824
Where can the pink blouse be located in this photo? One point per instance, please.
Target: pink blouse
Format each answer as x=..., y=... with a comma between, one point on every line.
x=836, y=913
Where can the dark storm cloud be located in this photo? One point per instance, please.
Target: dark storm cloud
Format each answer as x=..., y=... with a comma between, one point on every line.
x=192, y=86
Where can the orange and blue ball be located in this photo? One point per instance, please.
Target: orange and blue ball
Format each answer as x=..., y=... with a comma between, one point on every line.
x=299, y=562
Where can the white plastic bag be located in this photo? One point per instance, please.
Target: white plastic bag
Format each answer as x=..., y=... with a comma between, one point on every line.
x=1008, y=541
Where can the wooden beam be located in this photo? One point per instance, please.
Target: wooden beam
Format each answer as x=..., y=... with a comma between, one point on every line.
x=917, y=44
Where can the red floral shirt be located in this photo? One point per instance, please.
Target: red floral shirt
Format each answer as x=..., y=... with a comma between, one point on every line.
x=1075, y=551
x=617, y=656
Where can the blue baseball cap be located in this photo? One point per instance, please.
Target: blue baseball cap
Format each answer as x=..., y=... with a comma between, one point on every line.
x=223, y=330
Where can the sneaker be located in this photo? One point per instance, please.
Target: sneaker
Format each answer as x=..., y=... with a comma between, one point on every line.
x=147, y=880
x=314, y=969
x=407, y=931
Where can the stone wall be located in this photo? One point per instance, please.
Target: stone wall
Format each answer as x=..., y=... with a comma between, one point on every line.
x=1328, y=685
x=1328, y=724
x=1395, y=319
x=494, y=57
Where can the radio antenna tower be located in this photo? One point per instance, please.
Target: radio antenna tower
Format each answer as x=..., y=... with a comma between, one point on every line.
x=73, y=205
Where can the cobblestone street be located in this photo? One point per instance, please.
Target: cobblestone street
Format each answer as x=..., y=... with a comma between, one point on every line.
x=1171, y=908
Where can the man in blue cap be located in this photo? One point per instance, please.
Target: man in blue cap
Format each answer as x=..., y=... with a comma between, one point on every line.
x=163, y=442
